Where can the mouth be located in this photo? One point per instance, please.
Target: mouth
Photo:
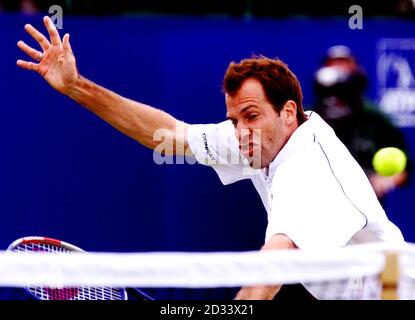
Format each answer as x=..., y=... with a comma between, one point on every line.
x=247, y=150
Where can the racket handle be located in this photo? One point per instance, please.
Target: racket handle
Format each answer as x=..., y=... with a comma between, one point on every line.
x=140, y=295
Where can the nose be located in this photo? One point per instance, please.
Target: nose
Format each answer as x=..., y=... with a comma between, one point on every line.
x=243, y=134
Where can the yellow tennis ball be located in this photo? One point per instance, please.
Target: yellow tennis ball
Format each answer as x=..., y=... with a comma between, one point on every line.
x=389, y=161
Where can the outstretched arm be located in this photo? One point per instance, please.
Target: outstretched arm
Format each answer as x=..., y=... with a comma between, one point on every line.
x=57, y=65
x=266, y=292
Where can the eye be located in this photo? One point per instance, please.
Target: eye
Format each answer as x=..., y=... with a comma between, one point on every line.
x=252, y=116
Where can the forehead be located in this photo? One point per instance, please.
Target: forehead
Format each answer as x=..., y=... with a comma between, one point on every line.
x=251, y=91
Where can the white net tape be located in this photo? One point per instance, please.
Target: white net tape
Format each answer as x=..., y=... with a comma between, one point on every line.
x=406, y=289
x=354, y=267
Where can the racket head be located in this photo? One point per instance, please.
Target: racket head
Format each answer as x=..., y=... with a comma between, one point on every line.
x=45, y=244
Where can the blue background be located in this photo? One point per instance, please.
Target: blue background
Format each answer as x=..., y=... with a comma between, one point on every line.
x=64, y=173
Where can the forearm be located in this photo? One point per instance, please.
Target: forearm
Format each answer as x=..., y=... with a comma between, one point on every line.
x=266, y=292
x=57, y=65
x=137, y=120
x=258, y=292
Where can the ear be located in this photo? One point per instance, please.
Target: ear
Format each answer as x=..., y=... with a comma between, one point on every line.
x=290, y=112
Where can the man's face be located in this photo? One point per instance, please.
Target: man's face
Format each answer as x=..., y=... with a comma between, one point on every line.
x=348, y=64
x=261, y=132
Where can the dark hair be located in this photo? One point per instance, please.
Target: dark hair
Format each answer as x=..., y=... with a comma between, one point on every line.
x=277, y=80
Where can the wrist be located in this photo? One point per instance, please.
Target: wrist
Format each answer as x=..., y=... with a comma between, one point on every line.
x=73, y=89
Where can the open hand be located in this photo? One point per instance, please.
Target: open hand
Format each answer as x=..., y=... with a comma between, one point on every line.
x=56, y=62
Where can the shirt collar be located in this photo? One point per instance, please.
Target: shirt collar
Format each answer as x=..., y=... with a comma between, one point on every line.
x=302, y=135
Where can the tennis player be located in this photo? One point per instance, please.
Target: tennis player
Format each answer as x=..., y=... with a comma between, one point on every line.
x=315, y=194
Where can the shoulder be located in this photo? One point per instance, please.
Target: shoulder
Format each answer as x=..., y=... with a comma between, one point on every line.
x=213, y=133
x=300, y=169
x=224, y=126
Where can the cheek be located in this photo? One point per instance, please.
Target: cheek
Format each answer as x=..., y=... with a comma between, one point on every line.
x=268, y=137
x=270, y=133
x=271, y=139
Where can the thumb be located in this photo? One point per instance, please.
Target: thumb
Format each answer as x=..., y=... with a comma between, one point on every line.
x=66, y=45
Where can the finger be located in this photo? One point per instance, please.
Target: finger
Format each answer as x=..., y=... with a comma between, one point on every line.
x=28, y=65
x=66, y=44
x=55, y=39
x=35, y=54
x=40, y=38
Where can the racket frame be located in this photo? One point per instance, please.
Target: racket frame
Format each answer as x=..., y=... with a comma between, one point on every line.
x=37, y=240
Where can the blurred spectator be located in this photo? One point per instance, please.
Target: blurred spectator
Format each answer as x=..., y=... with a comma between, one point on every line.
x=28, y=7
x=24, y=6
x=33, y=6
x=339, y=86
x=232, y=8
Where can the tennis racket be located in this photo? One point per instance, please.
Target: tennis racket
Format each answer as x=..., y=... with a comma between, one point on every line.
x=42, y=244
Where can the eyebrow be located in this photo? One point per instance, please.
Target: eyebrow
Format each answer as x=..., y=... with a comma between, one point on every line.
x=245, y=109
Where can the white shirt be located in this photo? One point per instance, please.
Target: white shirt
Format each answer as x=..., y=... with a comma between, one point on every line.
x=315, y=191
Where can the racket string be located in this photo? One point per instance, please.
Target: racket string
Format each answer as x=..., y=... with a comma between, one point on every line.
x=70, y=293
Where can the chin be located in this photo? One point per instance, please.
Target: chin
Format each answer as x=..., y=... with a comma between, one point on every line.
x=257, y=164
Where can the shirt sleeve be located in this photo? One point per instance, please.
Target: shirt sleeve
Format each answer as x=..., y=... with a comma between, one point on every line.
x=216, y=145
x=309, y=204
